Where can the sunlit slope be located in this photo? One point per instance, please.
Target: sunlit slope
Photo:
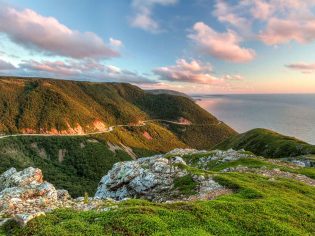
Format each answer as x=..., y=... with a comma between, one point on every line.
x=71, y=107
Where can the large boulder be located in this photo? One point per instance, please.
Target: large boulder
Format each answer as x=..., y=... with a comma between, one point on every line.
x=150, y=178
x=145, y=177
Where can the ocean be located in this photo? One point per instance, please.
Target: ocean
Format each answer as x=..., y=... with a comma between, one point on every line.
x=288, y=114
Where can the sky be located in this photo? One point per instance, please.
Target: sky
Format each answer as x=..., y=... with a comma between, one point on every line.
x=197, y=47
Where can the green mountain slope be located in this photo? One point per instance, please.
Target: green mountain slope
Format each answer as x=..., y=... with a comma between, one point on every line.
x=71, y=107
x=76, y=163
x=268, y=143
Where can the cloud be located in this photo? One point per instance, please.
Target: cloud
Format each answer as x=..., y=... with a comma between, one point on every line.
x=184, y=71
x=81, y=70
x=47, y=34
x=279, y=21
x=233, y=77
x=225, y=46
x=262, y=10
x=281, y=31
x=6, y=65
x=227, y=13
x=115, y=42
x=192, y=72
x=142, y=18
x=302, y=67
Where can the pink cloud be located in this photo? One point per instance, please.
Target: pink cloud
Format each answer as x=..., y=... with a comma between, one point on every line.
x=82, y=70
x=192, y=72
x=28, y=28
x=280, y=31
x=305, y=68
x=225, y=45
x=230, y=14
x=281, y=21
x=262, y=9
x=183, y=71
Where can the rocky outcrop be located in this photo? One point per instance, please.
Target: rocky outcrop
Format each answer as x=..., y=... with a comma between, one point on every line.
x=151, y=178
x=24, y=193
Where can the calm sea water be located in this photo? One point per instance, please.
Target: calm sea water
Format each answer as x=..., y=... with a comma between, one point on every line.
x=289, y=114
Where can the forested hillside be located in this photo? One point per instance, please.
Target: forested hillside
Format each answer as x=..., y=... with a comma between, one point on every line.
x=32, y=105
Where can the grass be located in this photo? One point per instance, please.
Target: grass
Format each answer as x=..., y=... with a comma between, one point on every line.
x=186, y=185
x=267, y=143
x=258, y=207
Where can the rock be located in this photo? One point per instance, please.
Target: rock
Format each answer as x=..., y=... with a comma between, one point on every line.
x=63, y=195
x=150, y=178
x=24, y=193
x=22, y=219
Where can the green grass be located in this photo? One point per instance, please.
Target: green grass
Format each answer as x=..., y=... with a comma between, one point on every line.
x=186, y=185
x=267, y=143
x=258, y=207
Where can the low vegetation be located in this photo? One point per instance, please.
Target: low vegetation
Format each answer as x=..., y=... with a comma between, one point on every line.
x=258, y=206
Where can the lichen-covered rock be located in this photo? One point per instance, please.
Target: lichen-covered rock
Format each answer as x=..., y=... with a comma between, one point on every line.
x=23, y=194
x=150, y=178
x=144, y=177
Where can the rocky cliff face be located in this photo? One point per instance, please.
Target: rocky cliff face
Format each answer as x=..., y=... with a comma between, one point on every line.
x=157, y=178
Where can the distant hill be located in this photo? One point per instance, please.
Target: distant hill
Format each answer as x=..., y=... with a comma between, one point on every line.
x=71, y=107
x=268, y=143
x=167, y=91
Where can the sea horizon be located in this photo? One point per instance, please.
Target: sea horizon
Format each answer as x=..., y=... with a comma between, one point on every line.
x=279, y=112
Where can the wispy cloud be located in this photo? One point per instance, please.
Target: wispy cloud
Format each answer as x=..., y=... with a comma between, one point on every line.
x=302, y=67
x=232, y=15
x=32, y=30
x=225, y=46
x=81, y=70
x=115, y=42
x=143, y=19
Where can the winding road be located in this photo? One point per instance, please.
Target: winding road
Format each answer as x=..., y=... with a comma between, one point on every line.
x=110, y=129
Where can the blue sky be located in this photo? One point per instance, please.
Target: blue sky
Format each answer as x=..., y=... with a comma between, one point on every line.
x=202, y=46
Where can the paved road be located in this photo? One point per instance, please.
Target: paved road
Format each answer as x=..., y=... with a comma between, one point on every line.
x=110, y=129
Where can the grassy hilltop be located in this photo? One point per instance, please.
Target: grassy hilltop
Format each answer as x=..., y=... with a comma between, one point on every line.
x=267, y=143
